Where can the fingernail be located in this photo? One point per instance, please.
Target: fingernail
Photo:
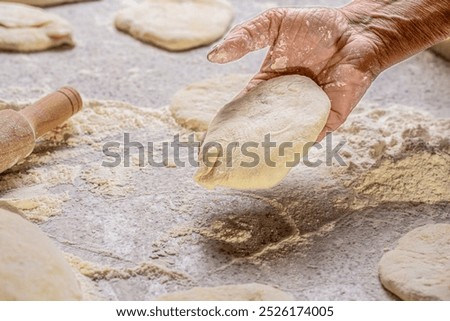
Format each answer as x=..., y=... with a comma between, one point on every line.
x=213, y=53
x=215, y=47
x=210, y=56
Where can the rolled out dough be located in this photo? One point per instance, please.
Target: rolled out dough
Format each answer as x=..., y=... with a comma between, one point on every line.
x=292, y=109
x=44, y=3
x=194, y=106
x=32, y=268
x=443, y=49
x=176, y=24
x=25, y=28
x=240, y=292
x=419, y=267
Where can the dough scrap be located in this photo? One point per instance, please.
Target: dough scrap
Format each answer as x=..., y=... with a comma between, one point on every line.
x=194, y=106
x=419, y=267
x=240, y=292
x=292, y=109
x=176, y=24
x=44, y=3
x=25, y=28
x=32, y=268
x=443, y=49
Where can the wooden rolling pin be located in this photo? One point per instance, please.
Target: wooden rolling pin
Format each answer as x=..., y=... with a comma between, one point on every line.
x=19, y=130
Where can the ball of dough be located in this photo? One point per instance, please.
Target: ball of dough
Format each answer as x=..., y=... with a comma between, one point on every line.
x=235, y=153
x=240, y=292
x=25, y=28
x=176, y=24
x=43, y=3
x=419, y=267
x=32, y=268
x=443, y=49
x=194, y=106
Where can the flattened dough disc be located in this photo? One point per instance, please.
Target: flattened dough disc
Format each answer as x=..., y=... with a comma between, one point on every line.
x=176, y=24
x=32, y=268
x=194, y=106
x=25, y=28
x=240, y=292
x=419, y=267
x=291, y=109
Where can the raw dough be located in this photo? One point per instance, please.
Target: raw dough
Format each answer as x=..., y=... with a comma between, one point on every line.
x=43, y=3
x=196, y=105
x=240, y=292
x=32, y=268
x=419, y=267
x=292, y=109
x=443, y=49
x=26, y=28
x=176, y=24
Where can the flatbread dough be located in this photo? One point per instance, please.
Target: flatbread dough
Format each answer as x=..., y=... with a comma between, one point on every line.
x=44, y=3
x=176, y=24
x=25, y=28
x=241, y=292
x=292, y=109
x=32, y=268
x=419, y=267
x=443, y=49
x=194, y=106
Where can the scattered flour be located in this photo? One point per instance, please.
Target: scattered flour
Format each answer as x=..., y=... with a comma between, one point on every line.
x=239, y=292
x=396, y=154
x=105, y=181
x=40, y=208
x=417, y=177
x=149, y=270
x=62, y=156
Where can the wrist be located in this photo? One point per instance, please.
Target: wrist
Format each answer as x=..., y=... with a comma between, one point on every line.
x=399, y=29
x=361, y=21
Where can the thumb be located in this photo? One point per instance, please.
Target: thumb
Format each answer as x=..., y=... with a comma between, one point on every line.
x=249, y=36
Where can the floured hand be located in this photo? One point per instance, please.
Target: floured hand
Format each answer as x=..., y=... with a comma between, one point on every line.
x=342, y=50
x=318, y=43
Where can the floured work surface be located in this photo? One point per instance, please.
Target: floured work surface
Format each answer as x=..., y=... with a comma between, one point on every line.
x=140, y=232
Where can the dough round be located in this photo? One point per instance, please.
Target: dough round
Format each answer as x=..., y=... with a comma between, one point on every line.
x=443, y=49
x=25, y=28
x=240, y=292
x=194, y=106
x=32, y=268
x=419, y=267
x=43, y=3
x=292, y=109
x=176, y=24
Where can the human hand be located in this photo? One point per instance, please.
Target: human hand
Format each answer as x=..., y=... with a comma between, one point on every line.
x=319, y=43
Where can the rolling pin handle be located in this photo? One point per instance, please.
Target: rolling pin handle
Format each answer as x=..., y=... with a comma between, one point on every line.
x=53, y=110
